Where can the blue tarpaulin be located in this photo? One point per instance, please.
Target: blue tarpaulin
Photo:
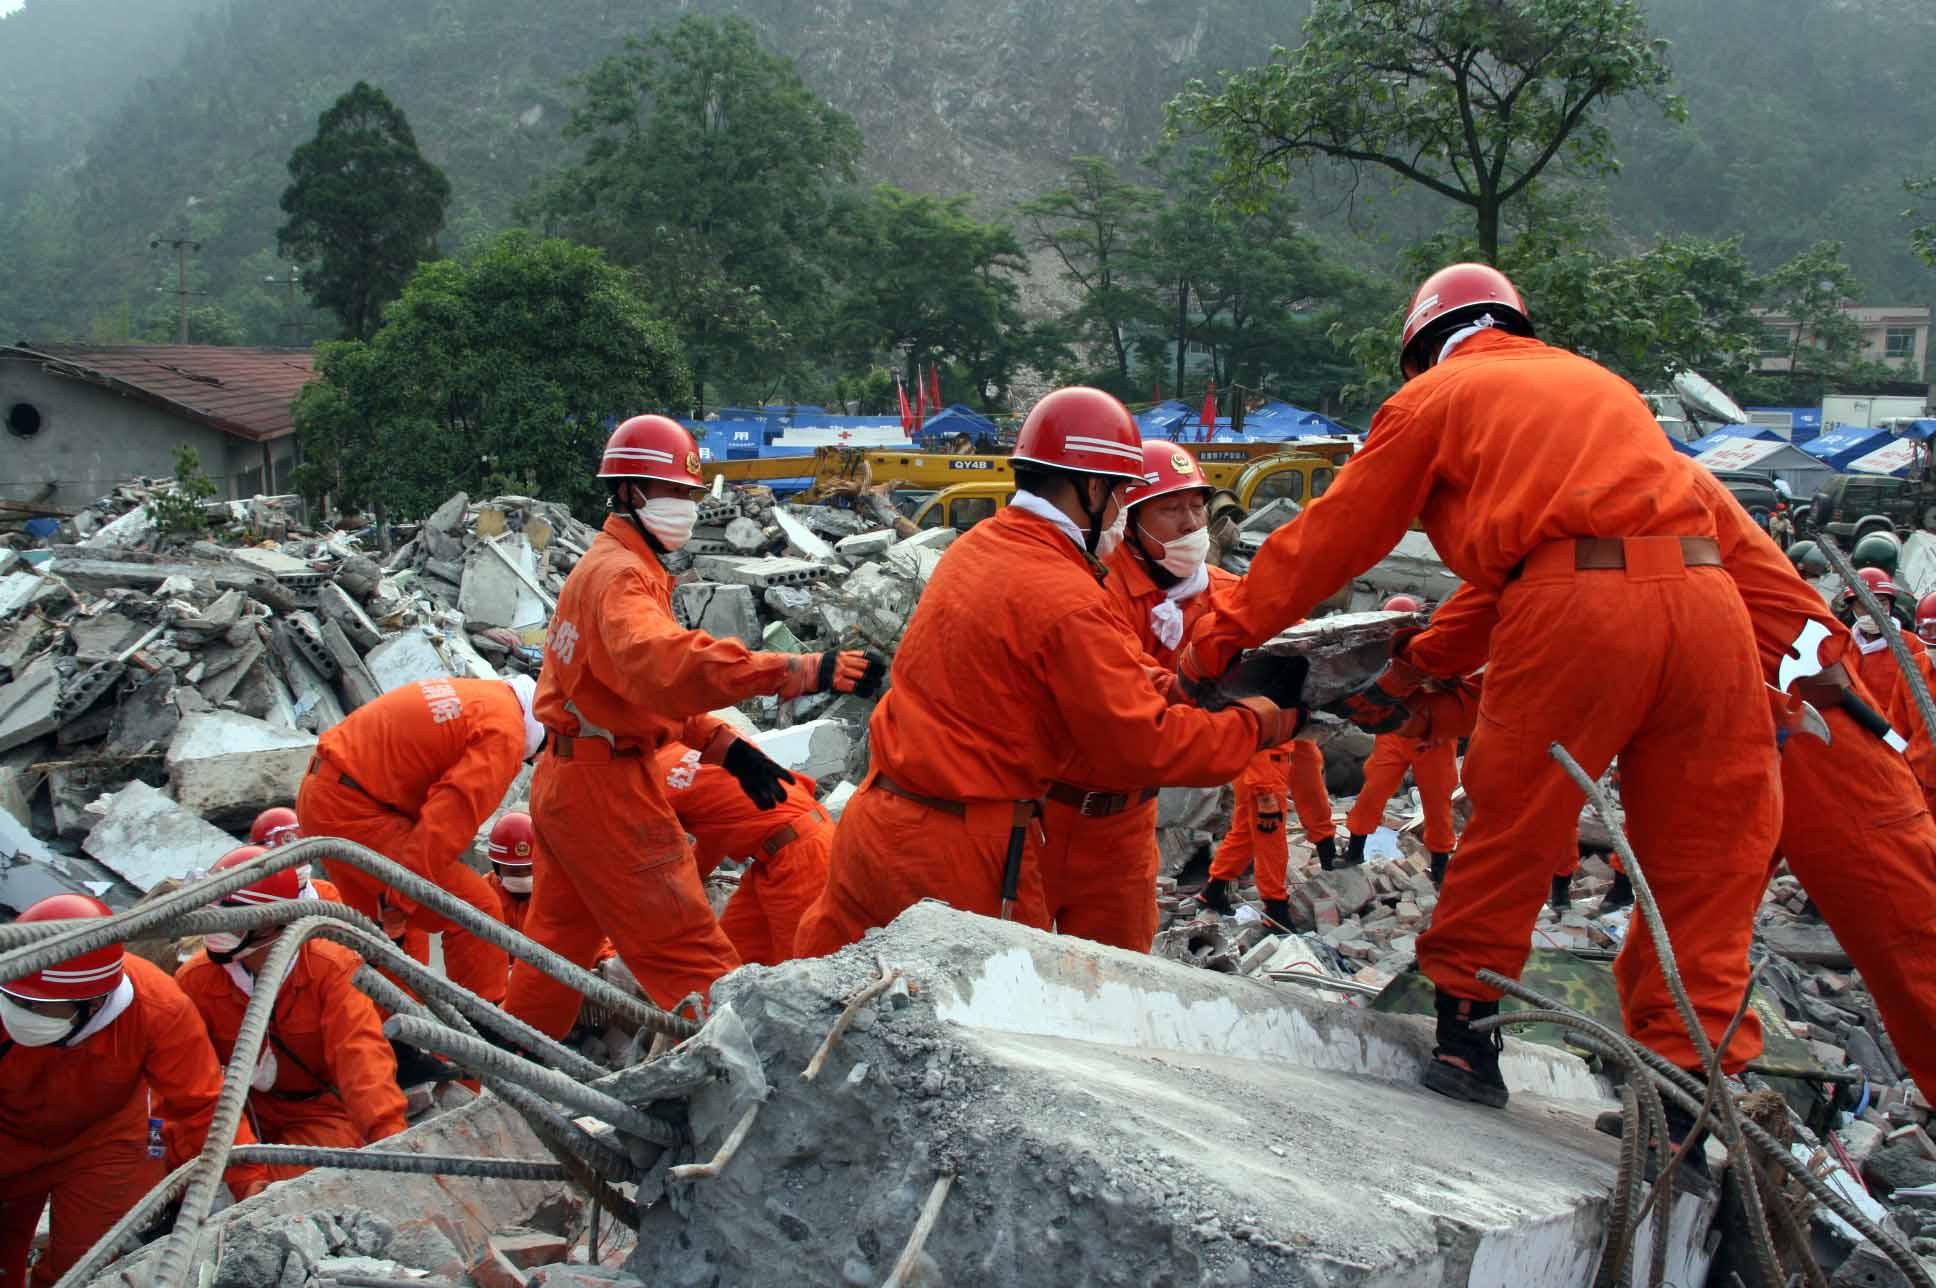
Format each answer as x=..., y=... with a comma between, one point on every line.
x=1841, y=447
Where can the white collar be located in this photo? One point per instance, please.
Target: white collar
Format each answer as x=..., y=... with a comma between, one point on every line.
x=110, y=1011
x=1869, y=643
x=1459, y=337
x=1029, y=503
x=1192, y=586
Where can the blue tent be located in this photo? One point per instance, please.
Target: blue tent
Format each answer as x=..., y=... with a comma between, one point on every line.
x=952, y=420
x=1280, y=421
x=1920, y=430
x=1721, y=435
x=1840, y=447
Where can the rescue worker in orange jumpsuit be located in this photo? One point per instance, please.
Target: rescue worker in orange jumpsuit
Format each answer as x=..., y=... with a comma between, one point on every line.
x=1434, y=764
x=512, y=849
x=788, y=845
x=1875, y=661
x=1852, y=796
x=326, y=1075
x=1903, y=713
x=1014, y=668
x=100, y=1051
x=1541, y=478
x=412, y=776
x=621, y=679
x=278, y=826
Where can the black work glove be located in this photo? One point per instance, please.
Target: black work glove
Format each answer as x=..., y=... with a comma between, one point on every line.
x=856, y=671
x=760, y=777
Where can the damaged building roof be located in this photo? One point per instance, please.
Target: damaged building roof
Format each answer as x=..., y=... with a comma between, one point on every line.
x=241, y=391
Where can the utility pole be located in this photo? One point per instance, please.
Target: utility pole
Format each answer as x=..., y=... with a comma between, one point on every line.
x=294, y=324
x=182, y=246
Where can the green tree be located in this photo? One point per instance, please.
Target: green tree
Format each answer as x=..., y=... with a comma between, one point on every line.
x=1469, y=99
x=501, y=369
x=1825, y=343
x=1090, y=224
x=1922, y=238
x=364, y=208
x=712, y=168
x=929, y=281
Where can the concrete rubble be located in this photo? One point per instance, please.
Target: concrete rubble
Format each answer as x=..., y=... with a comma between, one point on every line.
x=1236, y=1107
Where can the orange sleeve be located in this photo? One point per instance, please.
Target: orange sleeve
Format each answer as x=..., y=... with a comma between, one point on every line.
x=701, y=730
x=184, y=1076
x=1123, y=729
x=361, y=1062
x=672, y=671
x=1459, y=636
x=463, y=798
x=1341, y=534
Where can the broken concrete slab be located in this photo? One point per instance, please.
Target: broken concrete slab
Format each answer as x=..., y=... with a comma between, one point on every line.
x=337, y=606
x=744, y=535
x=863, y=546
x=422, y=653
x=103, y=636
x=759, y=573
x=723, y=611
x=1314, y=663
x=31, y=705
x=223, y=764
x=354, y=683
x=135, y=528
x=817, y=748
x=804, y=541
x=500, y=585
x=1099, y=1108
x=145, y=838
x=16, y=588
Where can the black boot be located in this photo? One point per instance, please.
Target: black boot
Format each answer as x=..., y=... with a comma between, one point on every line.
x=1216, y=894
x=1438, y=869
x=1354, y=851
x=1693, y=1173
x=1562, y=897
x=1279, y=911
x=1619, y=895
x=1465, y=1065
x=1328, y=853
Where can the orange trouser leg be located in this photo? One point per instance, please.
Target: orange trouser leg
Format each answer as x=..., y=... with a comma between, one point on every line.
x=90, y=1190
x=1308, y=797
x=1384, y=771
x=1256, y=832
x=890, y=853
x=1099, y=874
x=615, y=866
x=337, y=810
x=763, y=917
x=1660, y=671
x=321, y=1122
x=1436, y=771
x=1856, y=836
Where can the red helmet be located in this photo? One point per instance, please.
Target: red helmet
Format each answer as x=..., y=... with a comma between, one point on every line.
x=275, y=826
x=1876, y=580
x=652, y=447
x=1926, y=618
x=91, y=974
x=1403, y=604
x=1085, y=430
x=1459, y=292
x=1167, y=468
x=277, y=887
x=512, y=841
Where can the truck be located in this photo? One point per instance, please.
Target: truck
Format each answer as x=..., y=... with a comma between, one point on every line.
x=1870, y=409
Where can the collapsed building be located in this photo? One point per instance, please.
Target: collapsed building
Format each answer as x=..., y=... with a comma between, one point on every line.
x=953, y=1100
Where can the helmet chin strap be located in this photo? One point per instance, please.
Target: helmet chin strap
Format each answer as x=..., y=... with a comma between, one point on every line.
x=631, y=513
x=1094, y=538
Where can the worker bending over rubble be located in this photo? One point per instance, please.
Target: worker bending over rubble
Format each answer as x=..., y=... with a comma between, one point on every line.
x=413, y=775
x=788, y=844
x=621, y=679
x=107, y=1079
x=1434, y=764
x=326, y=1075
x=1542, y=479
x=1015, y=669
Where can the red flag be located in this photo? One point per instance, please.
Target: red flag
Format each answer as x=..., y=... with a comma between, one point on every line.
x=907, y=413
x=1209, y=418
x=920, y=401
x=934, y=379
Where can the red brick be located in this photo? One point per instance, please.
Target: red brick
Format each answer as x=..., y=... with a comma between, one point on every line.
x=496, y=1272
x=527, y=1248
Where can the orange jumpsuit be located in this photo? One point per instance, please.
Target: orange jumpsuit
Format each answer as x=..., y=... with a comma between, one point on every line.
x=412, y=775
x=1508, y=451
x=1875, y=662
x=788, y=844
x=1435, y=768
x=336, y=1076
x=1014, y=670
x=511, y=907
x=621, y=679
x=1908, y=721
x=77, y=1123
x=1854, y=830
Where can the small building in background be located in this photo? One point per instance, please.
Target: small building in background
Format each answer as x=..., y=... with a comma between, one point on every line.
x=1894, y=334
x=76, y=419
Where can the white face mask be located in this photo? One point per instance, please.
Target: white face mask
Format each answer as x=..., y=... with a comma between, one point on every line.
x=31, y=1028
x=669, y=518
x=1866, y=625
x=516, y=885
x=1183, y=556
x=221, y=941
x=1112, y=536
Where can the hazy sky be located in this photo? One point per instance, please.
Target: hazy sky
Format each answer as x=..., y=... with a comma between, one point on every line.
x=8, y=6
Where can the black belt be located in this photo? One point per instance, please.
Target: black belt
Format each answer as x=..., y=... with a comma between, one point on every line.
x=317, y=765
x=1091, y=804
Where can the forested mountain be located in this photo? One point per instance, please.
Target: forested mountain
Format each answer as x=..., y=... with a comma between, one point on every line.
x=121, y=119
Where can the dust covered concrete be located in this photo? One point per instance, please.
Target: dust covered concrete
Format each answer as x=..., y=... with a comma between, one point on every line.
x=1115, y=1119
